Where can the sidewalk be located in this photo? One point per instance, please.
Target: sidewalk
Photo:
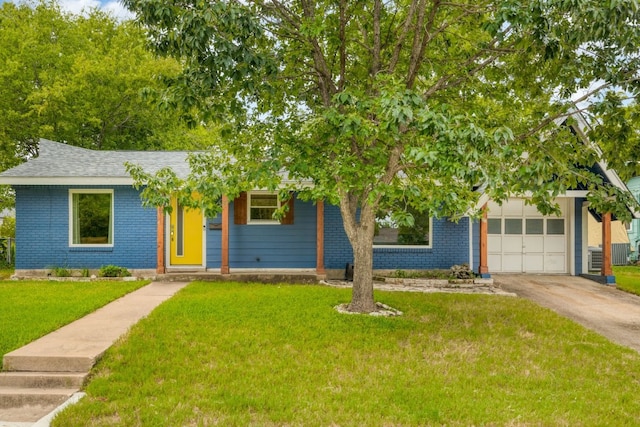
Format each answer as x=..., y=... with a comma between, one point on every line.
x=73, y=349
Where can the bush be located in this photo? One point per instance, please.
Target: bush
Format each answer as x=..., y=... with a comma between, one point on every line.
x=8, y=227
x=61, y=272
x=114, y=271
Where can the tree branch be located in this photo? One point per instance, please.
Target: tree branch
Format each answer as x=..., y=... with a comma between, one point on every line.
x=343, y=44
x=445, y=81
x=403, y=36
x=417, y=53
x=375, y=65
x=325, y=81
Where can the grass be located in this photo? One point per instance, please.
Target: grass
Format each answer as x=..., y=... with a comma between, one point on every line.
x=265, y=355
x=5, y=273
x=31, y=309
x=628, y=278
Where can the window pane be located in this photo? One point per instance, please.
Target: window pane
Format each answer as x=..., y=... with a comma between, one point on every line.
x=262, y=206
x=262, y=213
x=535, y=226
x=390, y=233
x=494, y=226
x=92, y=218
x=264, y=200
x=180, y=230
x=555, y=226
x=512, y=226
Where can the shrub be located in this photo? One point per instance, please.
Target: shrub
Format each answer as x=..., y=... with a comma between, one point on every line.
x=8, y=227
x=61, y=272
x=114, y=271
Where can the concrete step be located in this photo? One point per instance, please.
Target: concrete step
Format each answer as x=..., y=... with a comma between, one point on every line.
x=42, y=379
x=15, y=397
x=42, y=363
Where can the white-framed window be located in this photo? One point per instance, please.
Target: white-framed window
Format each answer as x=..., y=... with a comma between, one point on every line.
x=261, y=207
x=389, y=234
x=91, y=217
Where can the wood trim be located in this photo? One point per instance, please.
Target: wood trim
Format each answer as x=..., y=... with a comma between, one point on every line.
x=483, y=268
x=607, y=269
x=224, y=244
x=240, y=209
x=320, y=271
x=288, y=217
x=160, y=249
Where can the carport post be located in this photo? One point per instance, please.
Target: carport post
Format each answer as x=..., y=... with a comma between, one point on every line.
x=224, y=261
x=320, y=271
x=607, y=270
x=483, y=268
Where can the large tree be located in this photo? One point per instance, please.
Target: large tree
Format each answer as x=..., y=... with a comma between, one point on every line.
x=398, y=107
x=85, y=80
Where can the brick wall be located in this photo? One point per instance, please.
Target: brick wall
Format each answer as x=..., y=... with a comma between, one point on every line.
x=42, y=231
x=450, y=246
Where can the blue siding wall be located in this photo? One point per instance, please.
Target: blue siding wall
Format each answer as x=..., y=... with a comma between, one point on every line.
x=577, y=248
x=214, y=243
x=268, y=246
x=42, y=231
x=450, y=246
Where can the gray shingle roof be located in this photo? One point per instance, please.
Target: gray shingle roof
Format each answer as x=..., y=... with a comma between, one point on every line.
x=60, y=163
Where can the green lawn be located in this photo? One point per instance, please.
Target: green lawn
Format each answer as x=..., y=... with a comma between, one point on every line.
x=265, y=355
x=5, y=273
x=31, y=309
x=628, y=278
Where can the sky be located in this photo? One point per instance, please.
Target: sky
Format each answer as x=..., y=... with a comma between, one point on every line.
x=77, y=6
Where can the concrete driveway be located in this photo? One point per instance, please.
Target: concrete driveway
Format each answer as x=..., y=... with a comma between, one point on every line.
x=604, y=309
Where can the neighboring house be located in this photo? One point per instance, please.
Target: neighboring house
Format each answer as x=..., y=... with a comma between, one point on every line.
x=618, y=232
x=77, y=208
x=633, y=228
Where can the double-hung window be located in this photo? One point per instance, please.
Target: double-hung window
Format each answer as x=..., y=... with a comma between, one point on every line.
x=91, y=217
x=262, y=206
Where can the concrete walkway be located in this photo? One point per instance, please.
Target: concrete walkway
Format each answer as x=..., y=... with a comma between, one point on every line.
x=606, y=310
x=68, y=353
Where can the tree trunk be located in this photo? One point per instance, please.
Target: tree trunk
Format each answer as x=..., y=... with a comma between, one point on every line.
x=360, y=228
x=362, y=298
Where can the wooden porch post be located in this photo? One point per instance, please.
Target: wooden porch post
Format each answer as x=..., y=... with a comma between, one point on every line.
x=160, y=267
x=320, y=238
x=224, y=262
x=607, y=270
x=483, y=268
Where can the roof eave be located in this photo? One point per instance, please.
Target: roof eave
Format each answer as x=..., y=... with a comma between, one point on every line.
x=84, y=180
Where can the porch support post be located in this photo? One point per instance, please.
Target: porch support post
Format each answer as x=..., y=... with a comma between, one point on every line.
x=160, y=264
x=607, y=270
x=483, y=268
x=320, y=271
x=224, y=262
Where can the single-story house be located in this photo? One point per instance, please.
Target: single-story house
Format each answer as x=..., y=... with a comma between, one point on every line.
x=77, y=208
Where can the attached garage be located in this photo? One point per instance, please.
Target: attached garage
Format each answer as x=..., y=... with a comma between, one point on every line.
x=522, y=240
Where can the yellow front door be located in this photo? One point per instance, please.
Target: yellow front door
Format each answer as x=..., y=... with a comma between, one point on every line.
x=185, y=234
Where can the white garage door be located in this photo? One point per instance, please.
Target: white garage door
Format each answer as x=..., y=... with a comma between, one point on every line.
x=522, y=240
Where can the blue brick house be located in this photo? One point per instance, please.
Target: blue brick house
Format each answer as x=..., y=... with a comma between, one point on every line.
x=76, y=208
